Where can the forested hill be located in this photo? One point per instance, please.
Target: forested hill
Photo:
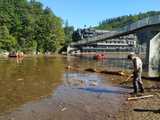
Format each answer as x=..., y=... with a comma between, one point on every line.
x=119, y=22
x=28, y=26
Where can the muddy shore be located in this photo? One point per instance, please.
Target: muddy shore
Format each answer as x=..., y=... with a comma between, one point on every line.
x=141, y=109
x=92, y=103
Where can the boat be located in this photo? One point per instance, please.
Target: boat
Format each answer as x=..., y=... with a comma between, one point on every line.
x=12, y=54
x=16, y=54
x=100, y=56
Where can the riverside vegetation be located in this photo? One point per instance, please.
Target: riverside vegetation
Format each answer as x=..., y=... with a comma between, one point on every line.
x=29, y=27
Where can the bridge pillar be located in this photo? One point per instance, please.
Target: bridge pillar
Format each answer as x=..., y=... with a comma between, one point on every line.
x=153, y=55
x=68, y=49
x=71, y=49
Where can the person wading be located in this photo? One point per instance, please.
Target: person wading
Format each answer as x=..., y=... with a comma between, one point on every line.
x=137, y=81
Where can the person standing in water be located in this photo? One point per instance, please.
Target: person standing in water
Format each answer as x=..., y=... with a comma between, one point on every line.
x=137, y=66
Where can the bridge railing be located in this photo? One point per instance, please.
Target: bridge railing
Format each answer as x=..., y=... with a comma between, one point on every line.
x=98, y=37
x=141, y=23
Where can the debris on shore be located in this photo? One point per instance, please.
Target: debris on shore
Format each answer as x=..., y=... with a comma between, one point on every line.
x=120, y=73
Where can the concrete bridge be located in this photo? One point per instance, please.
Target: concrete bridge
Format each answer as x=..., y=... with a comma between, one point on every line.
x=147, y=29
x=147, y=24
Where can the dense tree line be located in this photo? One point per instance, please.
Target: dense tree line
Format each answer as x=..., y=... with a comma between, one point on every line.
x=68, y=30
x=28, y=26
x=118, y=22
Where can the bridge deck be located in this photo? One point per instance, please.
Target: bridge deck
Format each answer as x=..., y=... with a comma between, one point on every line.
x=128, y=29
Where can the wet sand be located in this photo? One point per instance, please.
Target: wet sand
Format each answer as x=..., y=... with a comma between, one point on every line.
x=70, y=105
x=102, y=102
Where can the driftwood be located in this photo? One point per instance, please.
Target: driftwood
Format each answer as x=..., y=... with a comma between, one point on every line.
x=121, y=73
x=105, y=71
x=140, y=97
x=151, y=78
x=72, y=68
x=90, y=70
x=113, y=72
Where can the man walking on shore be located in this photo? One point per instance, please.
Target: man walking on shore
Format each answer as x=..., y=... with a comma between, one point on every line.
x=137, y=81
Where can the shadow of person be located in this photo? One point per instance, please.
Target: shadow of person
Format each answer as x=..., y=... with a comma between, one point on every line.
x=147, y=110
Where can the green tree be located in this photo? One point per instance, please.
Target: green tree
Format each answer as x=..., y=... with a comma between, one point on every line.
x=7, y=42
x=68, y=30
x=33, y=27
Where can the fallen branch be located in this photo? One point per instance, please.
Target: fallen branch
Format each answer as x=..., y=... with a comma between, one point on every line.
x=113, y=72
x=121, y=73
x=106, y=72
x=151, y=78
x=72, y=68
x=90, y=70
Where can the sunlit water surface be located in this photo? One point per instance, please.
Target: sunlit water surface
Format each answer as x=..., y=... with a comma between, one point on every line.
x=35, y=78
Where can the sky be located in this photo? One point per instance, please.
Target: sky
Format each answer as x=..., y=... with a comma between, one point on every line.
x=90, y=12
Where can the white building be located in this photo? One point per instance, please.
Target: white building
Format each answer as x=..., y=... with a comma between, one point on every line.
x=125, y=43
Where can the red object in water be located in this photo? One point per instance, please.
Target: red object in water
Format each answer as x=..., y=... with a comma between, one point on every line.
x=100, y=56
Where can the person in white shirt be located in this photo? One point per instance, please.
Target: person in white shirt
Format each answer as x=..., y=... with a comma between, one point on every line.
x=137, y=81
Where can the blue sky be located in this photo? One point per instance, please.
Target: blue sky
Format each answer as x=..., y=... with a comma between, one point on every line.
x=91, y=12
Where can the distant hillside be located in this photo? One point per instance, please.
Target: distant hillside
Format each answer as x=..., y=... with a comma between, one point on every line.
x=121, y=21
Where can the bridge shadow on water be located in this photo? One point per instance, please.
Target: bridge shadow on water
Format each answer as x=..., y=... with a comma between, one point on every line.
x=110, y=90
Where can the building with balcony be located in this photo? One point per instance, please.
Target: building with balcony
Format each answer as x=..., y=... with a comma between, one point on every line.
x=126, y=43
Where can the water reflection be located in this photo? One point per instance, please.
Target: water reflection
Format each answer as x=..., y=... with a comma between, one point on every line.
x=115, y=64
x=118, y=64
x=111, y=90
x=28, y=80
x=36, y=77
x=78, y=79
